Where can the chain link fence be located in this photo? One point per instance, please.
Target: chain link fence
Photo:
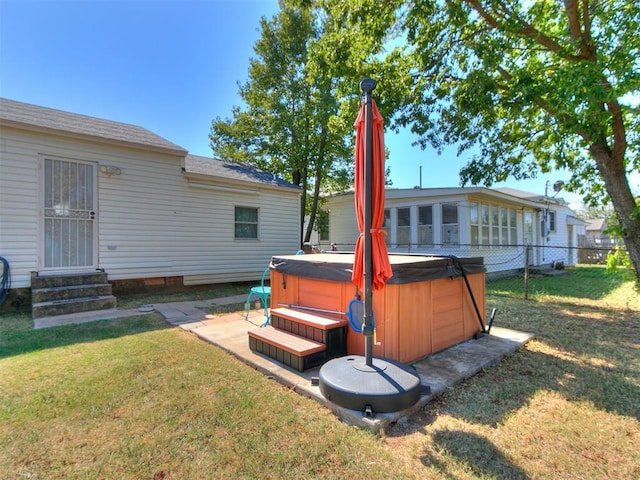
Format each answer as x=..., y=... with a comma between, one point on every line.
x=517, y=271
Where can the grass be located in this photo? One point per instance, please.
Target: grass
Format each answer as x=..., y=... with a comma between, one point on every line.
x=135, y=399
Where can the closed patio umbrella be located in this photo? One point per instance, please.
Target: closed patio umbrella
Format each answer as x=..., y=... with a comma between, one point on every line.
x=353, y=381
x=371, y=268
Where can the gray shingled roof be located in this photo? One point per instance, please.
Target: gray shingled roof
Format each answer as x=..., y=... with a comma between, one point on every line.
x=197, y=165
x=33, y=117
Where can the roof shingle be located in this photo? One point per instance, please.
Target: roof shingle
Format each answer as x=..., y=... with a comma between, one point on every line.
x=195, y=164
x=33, y=117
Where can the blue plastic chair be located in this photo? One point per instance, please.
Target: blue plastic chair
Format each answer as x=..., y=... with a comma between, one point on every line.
x=263, y=293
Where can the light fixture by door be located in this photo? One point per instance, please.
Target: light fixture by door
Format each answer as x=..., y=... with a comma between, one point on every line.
x=110, y=170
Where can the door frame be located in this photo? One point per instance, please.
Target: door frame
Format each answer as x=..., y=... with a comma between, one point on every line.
x=42, y=269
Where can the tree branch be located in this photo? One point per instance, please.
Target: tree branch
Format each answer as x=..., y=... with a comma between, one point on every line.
x=525, y=30
x=571, y=6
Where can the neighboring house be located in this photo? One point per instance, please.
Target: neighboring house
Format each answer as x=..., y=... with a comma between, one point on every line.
x=80, y=194
x=595, y=243
x=475, y=221
x=595, y=235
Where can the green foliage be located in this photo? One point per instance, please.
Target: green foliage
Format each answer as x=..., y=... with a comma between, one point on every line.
x=289, y=123
x=619, y=259
x=531, y=86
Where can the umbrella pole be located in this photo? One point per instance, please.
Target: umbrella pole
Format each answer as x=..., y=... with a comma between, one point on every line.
x=367, y=85
x=387, y=386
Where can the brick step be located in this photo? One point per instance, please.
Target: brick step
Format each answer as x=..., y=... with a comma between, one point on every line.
x=292, y=350
x=73, y=305
x=40, y=295
x=309, y=318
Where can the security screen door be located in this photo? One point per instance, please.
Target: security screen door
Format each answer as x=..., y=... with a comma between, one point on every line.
x=69, y=215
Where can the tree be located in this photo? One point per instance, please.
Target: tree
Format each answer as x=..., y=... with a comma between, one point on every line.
x=531, y=86
x=288, y=126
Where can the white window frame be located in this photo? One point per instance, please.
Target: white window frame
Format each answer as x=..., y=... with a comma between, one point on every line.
x=403, y=232
x=450, y=231
x=425, y=227
x=237, y=223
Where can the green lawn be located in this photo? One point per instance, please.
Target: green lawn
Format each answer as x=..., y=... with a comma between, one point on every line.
x=135, y=398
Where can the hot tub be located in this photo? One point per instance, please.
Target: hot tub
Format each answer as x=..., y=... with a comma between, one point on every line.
x=424, y=307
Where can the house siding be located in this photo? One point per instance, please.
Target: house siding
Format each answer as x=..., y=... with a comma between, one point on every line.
x=151, y=222
x=19, y=197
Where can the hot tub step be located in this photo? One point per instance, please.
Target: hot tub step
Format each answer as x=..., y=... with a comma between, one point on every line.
x=309, y=318
x=315, y=326
x=297, y=352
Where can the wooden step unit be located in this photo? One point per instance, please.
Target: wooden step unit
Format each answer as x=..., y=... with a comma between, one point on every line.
x=300, y=338
x=297, y=352
x=314, y=326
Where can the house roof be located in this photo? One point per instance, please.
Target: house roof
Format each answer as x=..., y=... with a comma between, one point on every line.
x=596, y=224
x=48, y=120
x=534, y=197
x=477, y=192
x=205, y=168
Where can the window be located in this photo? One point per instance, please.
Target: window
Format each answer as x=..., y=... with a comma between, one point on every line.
x=386, y=226
x=246, y=223
x=403, y=232
x=449, y=224
x=552, y=221
x=528, y=228
x=513, y=227
x=484, y=219
x=492, y=225
x=550, y=226
x=495, y=226
x=425, y=225
x=322, y=225
x=473, y=220
x=504, y=226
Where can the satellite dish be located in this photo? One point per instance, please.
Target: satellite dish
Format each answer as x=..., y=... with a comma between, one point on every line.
x=558, y=185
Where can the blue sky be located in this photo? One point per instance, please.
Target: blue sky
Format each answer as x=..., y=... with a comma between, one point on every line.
x=168, y=66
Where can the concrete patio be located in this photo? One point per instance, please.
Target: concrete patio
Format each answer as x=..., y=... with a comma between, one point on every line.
x=439, y=372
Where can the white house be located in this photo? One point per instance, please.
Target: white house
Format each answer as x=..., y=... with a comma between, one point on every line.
x=469, y=221
x=80, y=194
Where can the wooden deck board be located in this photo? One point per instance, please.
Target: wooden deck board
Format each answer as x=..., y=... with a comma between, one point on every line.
x=311, y=319
x=287, y=341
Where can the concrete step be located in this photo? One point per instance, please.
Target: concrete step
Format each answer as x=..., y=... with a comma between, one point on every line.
x=50, y=281
x=73, y=305
x=40, y=295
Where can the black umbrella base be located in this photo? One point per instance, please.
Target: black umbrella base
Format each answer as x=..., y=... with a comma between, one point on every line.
x=382, y=387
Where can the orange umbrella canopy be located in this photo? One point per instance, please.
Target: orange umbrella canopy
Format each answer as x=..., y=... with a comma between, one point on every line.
x=381, y=268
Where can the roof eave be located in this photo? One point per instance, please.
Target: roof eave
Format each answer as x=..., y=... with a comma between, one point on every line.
x=204, y=178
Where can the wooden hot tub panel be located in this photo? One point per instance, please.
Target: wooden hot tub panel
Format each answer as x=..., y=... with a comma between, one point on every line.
x=413, y=320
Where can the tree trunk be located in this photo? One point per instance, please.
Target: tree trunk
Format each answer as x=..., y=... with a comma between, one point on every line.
x=314, y=206
x=318, y=178
x=615, y=180
x=299, y=178
x=303, y=205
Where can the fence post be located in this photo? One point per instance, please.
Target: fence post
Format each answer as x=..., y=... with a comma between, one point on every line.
x=527, y=250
